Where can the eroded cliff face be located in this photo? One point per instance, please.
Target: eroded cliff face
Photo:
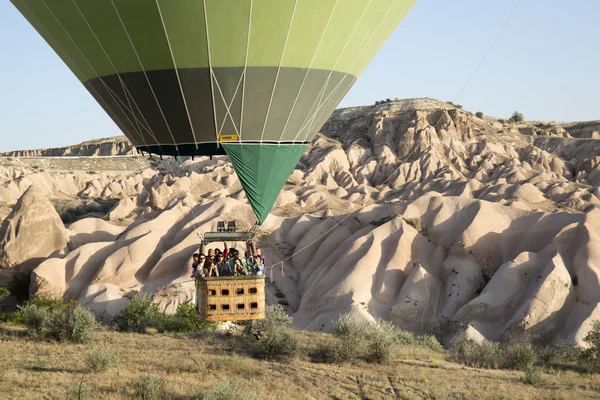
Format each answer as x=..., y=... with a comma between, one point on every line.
x=413, y=211
x=115, y=146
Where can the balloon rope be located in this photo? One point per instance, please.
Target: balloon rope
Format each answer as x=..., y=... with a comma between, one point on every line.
x=489, y=50
x=410, y=154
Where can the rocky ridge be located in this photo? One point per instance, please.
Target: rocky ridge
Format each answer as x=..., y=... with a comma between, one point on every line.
x=113, y=146
x=415, y=211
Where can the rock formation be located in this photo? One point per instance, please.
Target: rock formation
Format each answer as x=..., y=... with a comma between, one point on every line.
x=413, y=211
x=32, y=232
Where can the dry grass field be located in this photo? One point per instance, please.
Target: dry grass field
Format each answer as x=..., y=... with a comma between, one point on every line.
x=190, y=365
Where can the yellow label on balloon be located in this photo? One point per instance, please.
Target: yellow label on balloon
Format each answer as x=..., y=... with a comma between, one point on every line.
x=228, y=138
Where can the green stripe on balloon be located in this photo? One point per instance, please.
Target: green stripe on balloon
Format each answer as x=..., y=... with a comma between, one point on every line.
x=263, y=170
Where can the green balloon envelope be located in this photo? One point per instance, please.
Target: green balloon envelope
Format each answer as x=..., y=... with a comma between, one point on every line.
x=255, y=79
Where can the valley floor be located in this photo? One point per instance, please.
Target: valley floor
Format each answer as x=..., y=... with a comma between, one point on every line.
x=191, y=365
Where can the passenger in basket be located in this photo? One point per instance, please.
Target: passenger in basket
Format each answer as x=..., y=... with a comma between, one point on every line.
x=210, y=269
x=222, y=266
x=227, y=251
x=235, y=255
x=211, y=255
x=198, y=262
x=239, y=269
x=259, y=253
x=257, y=267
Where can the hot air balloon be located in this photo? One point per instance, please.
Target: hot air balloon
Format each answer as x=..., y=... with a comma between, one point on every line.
x=253, y=79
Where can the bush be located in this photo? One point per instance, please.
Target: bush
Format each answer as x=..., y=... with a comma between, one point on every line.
x=277, y=342
x=558, y=352
x=52, y=303
x=34, y=316
x=230, y=390
x=406, y=338
x=186, y=319
x=517, y=117
x=74, y=324
x=275, y=316
x=429, y=342
x=274, y=334
x=484, y=355
x=533, y=376
x=353, y=339
x=150, y=388
x=590, y=357
x=100, y=359
x=382, y=336
x=140, y=315
x=81, y=389
x=349, y=325
x=479, y=114
x=520, y=356
x=4, y=292
x=19, y=285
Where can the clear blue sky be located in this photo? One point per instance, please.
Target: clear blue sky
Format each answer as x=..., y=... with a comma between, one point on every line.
x=546, y=65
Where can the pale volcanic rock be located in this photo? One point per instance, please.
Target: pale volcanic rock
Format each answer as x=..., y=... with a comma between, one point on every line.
x=91, y=230
x=160, y=197
x=286, y=197
x=543, y=314
x=67, y=277
x=418, y=302
x=122, y=209
x=465, y=234
x=32, y=232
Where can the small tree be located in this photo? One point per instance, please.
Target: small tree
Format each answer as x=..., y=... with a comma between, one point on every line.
x=75, y=324
x=140, y=315
x=591, y=356
x=517, y=117
x=275, y=335
x=479, y=114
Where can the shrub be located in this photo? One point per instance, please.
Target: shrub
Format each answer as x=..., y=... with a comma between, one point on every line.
x=100, y=359
x=353, y=339
x=74, y=324
x=558, y=352
x=517, y=117
x=533, y=376
x=52, y=303
x=429, y=342
x=150, y=388
x=277, y=342
x=185, y=319
x=34, y=316
x=19, y=285
x=4, y=292
x=590, y=357
x=349, y=325
x=140, y=315
x=230, y=390
x=382, y=336
x=406, y=338
x=484, y=355
x=80, y=389
x=275, y=316
x=274, y=333
x=479, y=114
x=520, y=355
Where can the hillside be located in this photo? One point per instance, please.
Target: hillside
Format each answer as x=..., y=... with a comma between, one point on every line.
x=113, y=146
x=190, y=366
x=413, y=211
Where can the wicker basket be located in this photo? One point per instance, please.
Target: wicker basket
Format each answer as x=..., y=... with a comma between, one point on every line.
x=231, y=298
